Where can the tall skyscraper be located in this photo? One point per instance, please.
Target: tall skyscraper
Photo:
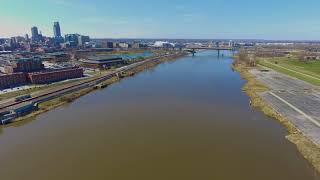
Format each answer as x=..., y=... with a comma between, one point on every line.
x=35, y=34
x=56, y=29
x=26, y=37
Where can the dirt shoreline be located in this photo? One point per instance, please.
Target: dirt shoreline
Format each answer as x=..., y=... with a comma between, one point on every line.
x=68, y=98
x=305, y=146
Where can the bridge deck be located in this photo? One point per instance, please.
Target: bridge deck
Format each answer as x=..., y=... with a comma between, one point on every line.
x=212, y=48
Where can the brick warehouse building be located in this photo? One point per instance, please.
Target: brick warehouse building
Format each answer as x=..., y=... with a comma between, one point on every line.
x=12, y=80
x=54, y=76
x=24, y=65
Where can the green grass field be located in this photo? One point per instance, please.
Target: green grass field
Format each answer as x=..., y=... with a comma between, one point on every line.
x=307, y=71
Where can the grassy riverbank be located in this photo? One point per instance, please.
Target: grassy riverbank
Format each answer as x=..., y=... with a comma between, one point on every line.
x=306, y=71
x=307, y=148
x=68, y=98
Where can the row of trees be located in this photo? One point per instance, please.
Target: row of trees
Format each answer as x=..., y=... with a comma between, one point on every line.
x=307, y=56
x=246, y=58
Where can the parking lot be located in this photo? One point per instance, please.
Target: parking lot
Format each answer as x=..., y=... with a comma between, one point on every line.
x=295, y=99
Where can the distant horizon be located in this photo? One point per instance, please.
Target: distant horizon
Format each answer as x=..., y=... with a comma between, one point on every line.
x=176, y=19
x=217, y=39
x=148, y=38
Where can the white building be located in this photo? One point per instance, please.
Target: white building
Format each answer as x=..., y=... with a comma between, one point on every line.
x=163, y=44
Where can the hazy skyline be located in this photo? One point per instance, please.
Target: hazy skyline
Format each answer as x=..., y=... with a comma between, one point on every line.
x=240, y=19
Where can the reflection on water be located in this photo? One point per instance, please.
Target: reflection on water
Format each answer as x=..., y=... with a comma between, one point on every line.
x=186, y=119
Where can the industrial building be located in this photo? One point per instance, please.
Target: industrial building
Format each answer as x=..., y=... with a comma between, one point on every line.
x=102, y=61
x=12, y=80
x=56, y=57
x=46, y=77
x=23, y=65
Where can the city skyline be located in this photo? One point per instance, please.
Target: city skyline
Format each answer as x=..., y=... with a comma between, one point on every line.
x=166, y=19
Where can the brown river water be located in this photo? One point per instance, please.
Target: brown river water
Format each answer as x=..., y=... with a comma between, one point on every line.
x=183, y=120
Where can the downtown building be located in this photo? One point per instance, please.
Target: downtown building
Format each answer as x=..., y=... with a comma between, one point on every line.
x=71, y=40
x=76, y=40
x=82, y=40
x=56, y=29
x=57, y=34
x=36, y=36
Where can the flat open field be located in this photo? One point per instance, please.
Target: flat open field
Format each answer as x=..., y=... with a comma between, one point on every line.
x=307, y=71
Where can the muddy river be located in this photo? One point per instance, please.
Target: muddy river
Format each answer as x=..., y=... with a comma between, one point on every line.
x=184, y=119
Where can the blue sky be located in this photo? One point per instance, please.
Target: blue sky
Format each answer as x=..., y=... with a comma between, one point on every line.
x=255, y=19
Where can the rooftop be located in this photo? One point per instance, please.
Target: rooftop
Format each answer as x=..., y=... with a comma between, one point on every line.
x=26, y=59
x=102, y=59
x=56, y=54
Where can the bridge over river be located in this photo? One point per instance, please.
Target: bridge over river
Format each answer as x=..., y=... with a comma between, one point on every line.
x=193, y=50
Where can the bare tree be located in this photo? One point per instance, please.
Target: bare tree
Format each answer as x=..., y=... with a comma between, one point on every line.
x=302, y=56
x=245, y=58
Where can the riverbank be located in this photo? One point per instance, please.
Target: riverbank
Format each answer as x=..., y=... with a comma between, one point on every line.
x=253, y=87
x=68, y=98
